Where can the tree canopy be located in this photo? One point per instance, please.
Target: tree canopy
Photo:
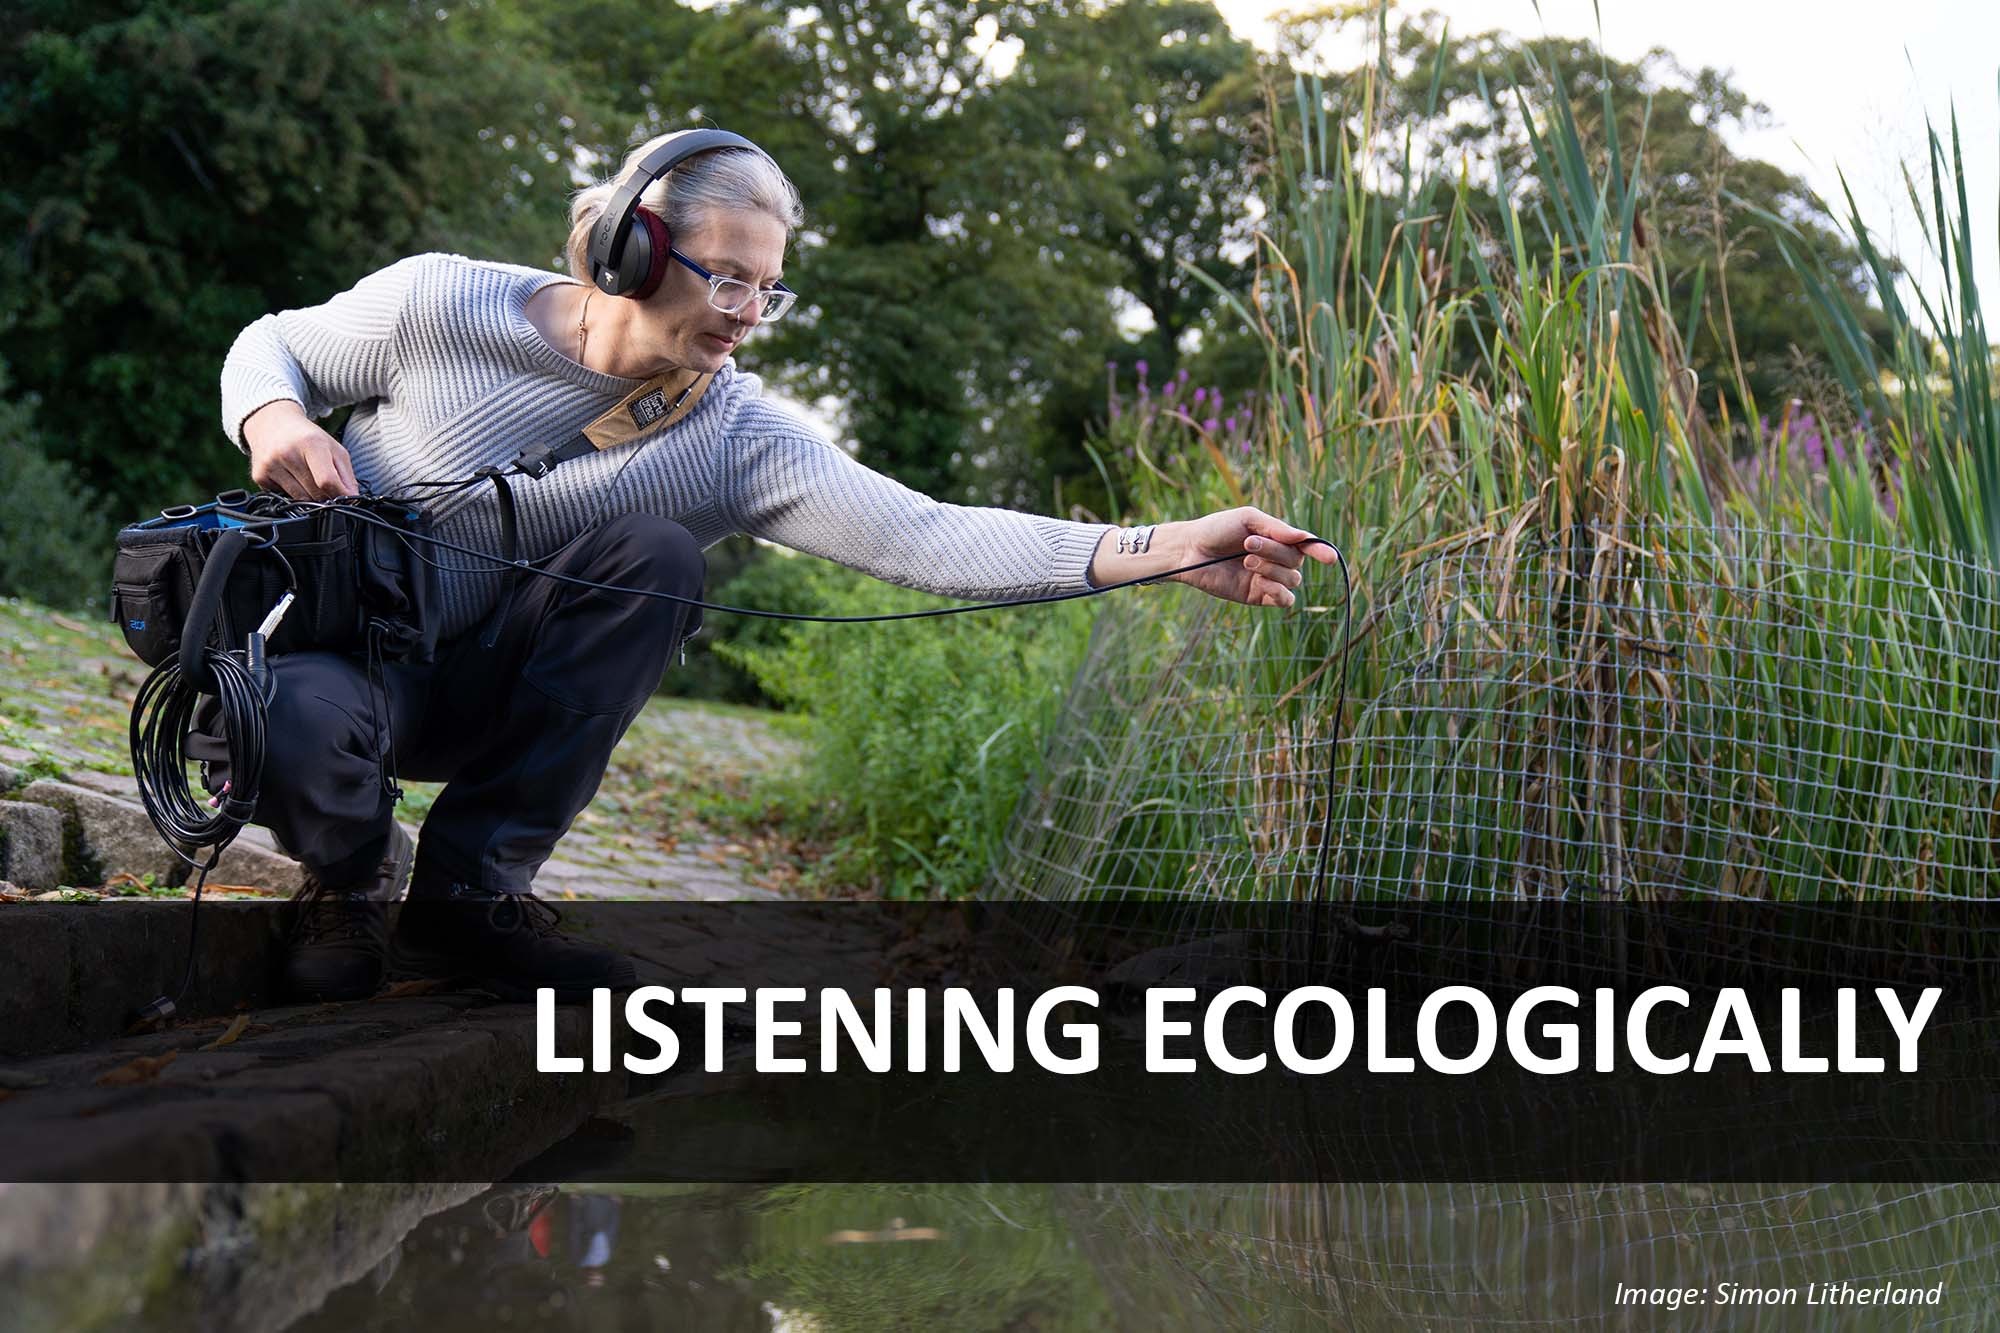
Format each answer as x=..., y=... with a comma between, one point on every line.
x=176, y=170
x=1002, y=195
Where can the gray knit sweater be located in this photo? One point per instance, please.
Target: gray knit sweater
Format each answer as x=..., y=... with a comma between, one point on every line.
x=449, y=375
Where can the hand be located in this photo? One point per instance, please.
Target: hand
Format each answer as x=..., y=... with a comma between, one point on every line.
x=289, y=453
x=1269, y=570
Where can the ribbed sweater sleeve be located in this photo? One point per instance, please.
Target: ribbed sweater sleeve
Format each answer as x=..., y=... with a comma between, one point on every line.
x=787, y=485
x=321, y=357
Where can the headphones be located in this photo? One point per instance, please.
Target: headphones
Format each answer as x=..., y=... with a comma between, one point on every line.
x=628, y=243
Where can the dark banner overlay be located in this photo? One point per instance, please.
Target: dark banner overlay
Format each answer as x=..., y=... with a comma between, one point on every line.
x=1095, y=1042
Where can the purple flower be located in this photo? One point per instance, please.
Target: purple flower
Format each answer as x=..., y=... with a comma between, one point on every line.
x=1111, y=366
x=1182, y=377
x=1199, y=394
x=1815, y=452
x=1141, y=366
x=1114, y=409
x=1232, y=423
x=1208, y=426
x=1246, y=446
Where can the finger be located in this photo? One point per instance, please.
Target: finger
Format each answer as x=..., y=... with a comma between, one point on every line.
x=1271, y=571
x=343, y=463
x=289, y=479
x=1305, y=543
x=1275, y=552
x=326, y=480
x=1265, y=525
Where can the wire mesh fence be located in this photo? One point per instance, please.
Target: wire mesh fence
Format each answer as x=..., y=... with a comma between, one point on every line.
x=1660, y=710
x=1669, y=711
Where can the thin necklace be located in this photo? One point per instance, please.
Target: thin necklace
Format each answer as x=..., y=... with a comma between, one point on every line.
x=581, y=331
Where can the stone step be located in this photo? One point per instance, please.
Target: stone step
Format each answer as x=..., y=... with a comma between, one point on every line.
x=77, y=971
x=413, y=1087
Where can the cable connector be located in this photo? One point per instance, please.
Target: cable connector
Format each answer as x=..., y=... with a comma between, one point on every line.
x=253, y=651
x=270, y=625
x=535, y=462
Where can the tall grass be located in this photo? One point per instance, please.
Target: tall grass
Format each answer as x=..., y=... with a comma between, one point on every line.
x=1933, y=389
x=1584, y=657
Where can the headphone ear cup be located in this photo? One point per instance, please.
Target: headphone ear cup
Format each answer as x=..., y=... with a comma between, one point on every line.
x=646, y=247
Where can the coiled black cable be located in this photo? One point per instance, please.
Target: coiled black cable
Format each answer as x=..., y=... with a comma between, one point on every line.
x=162, y=715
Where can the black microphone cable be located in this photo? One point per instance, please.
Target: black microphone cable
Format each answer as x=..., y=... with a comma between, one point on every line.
x=1317, y=891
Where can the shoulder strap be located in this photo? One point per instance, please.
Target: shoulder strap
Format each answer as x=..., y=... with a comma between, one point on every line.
x=657, y=404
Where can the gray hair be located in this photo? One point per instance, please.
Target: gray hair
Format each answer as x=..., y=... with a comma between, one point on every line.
x=723, y=179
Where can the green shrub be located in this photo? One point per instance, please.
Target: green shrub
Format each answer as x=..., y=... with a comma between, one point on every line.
x=923, y=733
x=55, y=540
x=741, y=572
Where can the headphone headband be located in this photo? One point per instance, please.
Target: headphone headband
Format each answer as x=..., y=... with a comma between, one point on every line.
x=611, y=236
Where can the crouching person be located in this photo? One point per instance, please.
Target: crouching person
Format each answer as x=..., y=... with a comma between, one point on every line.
x=453, y=365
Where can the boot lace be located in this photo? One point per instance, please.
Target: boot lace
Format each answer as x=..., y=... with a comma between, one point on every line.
x=331, y=915
x=524, y=911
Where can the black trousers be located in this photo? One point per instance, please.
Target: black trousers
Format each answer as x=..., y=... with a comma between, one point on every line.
x=520, y=732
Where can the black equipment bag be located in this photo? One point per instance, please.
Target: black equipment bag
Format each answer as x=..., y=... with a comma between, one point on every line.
x=352, y=580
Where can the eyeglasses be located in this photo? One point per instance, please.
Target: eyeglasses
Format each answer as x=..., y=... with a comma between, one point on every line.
x=730, y=295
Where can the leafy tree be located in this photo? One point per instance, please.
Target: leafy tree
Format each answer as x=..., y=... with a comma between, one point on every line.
x=940, y=295
x=177, y=170
x=1156, y=107
x=966, y=230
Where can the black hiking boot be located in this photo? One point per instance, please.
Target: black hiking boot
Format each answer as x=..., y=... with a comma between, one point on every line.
x=339, y=946
x=509, y=943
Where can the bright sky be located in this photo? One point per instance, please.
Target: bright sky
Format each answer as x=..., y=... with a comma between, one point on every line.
x=1848, y=83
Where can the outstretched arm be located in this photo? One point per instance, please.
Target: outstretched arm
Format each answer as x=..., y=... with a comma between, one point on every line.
x=786, y=485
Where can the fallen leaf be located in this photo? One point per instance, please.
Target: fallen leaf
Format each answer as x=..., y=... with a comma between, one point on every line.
x=142, y=1070
x=417, y=986
x=235, y=1031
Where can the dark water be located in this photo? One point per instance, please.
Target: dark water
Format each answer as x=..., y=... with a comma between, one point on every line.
x=770, y=1260
x=820, y=1258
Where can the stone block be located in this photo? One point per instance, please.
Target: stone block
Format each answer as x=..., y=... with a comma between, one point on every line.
x=31, y=845
x=105, y=834
x=111, y=835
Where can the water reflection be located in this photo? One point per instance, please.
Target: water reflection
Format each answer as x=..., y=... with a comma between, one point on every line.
x=821, y=1258
x=806, y=1259
x=546, y=1258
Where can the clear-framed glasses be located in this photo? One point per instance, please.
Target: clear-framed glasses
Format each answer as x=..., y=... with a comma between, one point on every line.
x=730, y=295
